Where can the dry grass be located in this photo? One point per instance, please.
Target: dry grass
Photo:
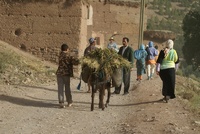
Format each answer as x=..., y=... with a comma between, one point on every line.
x=17, y=67
x=189, y=90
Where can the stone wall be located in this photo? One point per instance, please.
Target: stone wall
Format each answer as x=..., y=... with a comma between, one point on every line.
x=116, y=18
x=41, y=27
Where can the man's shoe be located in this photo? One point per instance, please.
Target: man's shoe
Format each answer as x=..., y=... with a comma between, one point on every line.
x=115, y=92
x=88, y=91
x=69, y=105
x=62, y=105
x=165, y=99
x=126, y=93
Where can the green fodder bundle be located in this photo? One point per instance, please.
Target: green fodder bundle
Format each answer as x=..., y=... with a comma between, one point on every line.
x=104, y=60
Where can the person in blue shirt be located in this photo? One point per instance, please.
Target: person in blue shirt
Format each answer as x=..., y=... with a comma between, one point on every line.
x=112, y=44
x=140, y=63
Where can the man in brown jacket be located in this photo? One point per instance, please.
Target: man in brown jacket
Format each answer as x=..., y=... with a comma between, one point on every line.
x=64, y=72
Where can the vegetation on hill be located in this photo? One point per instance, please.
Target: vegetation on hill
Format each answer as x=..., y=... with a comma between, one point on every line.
x=169, y=15
x=191, y=47
x=17, y=69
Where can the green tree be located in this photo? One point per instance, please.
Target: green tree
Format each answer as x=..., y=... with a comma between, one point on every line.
x=191, y=30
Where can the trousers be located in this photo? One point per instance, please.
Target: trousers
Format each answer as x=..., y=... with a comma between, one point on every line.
x=64, y=86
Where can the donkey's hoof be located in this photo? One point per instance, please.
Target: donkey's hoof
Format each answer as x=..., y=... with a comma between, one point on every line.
x=100, y=106
x=107, y=104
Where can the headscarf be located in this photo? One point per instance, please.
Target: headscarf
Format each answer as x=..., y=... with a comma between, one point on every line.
x=150, y=44
x=142, y=47
x=169, y=44
x=170, y=53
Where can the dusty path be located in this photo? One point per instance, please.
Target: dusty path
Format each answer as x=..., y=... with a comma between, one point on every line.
x=34, y=110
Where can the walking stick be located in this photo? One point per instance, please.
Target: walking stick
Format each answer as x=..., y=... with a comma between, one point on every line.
x=79, y=85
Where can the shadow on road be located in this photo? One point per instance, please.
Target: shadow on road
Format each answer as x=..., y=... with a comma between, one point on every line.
x=36, y=87
x=26, y=102
x=140, y=103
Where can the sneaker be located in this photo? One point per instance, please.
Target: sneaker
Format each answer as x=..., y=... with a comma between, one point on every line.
x=165, y=99
x=115, y=92
x=69, y=105
x=126, y=93
x=62, y=105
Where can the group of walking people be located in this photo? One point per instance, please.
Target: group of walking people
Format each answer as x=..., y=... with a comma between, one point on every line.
x=147, y=58
x=165, y=63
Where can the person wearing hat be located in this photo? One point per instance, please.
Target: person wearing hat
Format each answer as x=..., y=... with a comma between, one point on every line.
x=91, y=47
x=112, y=44
x=166, y=66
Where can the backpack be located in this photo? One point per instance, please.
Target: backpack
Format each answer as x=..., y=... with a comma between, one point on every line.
x=137, y=54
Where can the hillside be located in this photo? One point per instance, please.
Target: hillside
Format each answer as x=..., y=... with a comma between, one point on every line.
x=168, y=15
x=18, y=67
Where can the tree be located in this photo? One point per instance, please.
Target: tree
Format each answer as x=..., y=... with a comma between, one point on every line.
x=191, y=30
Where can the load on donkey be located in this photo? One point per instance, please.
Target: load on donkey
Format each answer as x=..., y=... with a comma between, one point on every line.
x=102, y=68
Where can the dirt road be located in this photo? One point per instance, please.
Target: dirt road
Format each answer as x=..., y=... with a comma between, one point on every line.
x=34, y=110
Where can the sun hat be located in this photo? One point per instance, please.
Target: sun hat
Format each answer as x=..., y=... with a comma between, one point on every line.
x=111, y=38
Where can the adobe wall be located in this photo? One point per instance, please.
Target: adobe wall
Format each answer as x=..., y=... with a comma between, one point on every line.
x=41, y=27
x=116, y=17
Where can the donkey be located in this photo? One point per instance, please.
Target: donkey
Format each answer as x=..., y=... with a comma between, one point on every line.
x=100, y=82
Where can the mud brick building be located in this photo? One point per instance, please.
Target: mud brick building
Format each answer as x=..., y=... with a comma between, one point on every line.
x=41, y=26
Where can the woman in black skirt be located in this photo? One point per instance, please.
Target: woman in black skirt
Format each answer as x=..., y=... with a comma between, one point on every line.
x=166, y=66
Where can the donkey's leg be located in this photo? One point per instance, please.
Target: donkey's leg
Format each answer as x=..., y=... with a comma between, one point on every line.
x=89, y=84
x=93, y=95
x=101, y=97
x=108, y=97
x=88, y=91
x=100, y=102
x=103, y=94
